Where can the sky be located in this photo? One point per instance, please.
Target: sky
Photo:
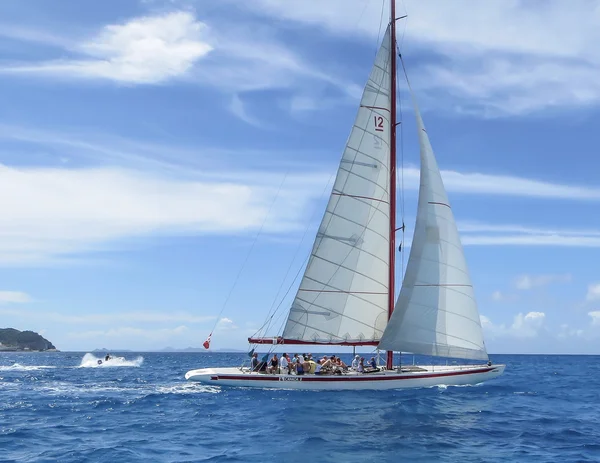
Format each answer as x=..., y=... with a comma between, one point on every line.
x=164, y=164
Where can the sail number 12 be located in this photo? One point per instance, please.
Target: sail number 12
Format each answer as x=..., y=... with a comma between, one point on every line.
x=378, y=123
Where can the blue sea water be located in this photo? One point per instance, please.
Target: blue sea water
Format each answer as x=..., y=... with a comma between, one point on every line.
x=62, y=407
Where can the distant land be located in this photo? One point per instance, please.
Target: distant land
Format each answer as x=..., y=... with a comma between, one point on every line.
x=104, y=349
x=12, y=340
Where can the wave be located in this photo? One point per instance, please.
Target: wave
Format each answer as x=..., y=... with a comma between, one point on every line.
x=91, y=361
x=19, y=367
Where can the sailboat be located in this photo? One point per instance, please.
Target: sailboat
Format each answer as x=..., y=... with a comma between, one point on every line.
x=346, y=295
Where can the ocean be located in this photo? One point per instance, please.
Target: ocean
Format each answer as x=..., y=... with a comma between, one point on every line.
x=63, y=407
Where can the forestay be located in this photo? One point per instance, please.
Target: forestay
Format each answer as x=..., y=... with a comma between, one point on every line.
x=436, y=313
x=343, y=295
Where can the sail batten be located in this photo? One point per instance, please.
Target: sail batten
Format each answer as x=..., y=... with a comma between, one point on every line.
x=436, y=312
x=343, y=294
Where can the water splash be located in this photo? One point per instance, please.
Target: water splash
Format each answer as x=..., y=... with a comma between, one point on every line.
x=91, y=361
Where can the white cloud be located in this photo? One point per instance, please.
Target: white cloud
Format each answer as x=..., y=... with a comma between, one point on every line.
x=593, y=293
x=144, y=50
x=528, y=325
x=497, y=296
x=48, y=213
x=500, y=56
x=226, y=324
x=526, y=282
x=14, y=297
x=595, y=315
x=523, y=326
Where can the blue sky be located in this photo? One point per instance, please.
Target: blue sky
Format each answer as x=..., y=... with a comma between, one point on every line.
x=143, y=145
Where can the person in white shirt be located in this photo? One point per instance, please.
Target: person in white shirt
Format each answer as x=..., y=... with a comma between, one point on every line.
x=355, y=362
x=283, y=362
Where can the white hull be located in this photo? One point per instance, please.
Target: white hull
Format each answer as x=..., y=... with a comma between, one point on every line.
x=423, y=376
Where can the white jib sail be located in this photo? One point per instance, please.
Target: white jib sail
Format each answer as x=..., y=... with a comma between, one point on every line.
x=344, y=292
x=436, y=312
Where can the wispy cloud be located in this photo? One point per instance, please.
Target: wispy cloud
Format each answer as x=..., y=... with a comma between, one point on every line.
x=128, y=333
x=505, y=185
x=34, y=35
x=157, y=48
x=485, y=70
x=500, y=296
x=531, y=240
x=109, y=318
x=238, y=108
x=500, y=57
x=488, y=234
x=111, y=150
x=14, y=297
x=526, y=282
x=77, y=205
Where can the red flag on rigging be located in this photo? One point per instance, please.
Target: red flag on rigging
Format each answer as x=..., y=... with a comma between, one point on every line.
x=206, y=343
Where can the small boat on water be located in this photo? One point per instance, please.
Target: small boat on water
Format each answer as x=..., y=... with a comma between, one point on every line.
x=346, y=296
x=109, y=360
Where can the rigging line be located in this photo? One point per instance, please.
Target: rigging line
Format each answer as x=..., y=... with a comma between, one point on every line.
x=269, y=322
x=250, y=250
x=273, y=310
x=379, y=30
x=288, y=291
x=405, y=26
x=402, y=189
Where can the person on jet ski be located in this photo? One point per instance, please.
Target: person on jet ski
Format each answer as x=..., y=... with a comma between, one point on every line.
x=107, y=358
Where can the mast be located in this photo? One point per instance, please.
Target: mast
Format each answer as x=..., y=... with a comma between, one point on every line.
x=392, y=262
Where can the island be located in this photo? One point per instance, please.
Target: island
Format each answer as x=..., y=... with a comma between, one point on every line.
x=12, y=340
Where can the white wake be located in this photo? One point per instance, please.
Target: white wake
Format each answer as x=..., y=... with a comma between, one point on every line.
x=19, y=367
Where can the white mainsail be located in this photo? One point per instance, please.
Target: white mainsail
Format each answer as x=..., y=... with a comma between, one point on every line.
x=343, y=295
x=436, y=313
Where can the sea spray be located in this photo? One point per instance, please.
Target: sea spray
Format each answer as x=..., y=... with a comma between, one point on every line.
x=91, y=361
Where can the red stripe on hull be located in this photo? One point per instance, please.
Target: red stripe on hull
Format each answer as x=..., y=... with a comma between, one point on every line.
x=366, y=377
